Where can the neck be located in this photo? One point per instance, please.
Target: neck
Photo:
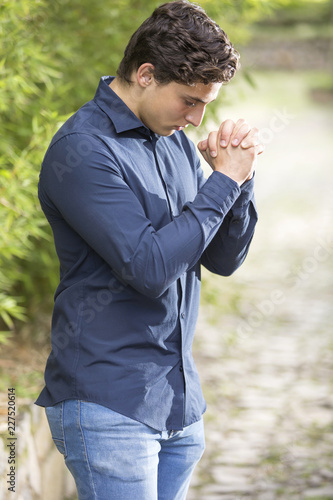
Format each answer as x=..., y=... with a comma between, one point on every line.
x=127, y=93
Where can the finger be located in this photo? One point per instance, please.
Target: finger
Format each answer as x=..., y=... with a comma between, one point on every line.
x=203, y=153
x=203, y=145
x=212, y=143
x=204, y=150
x=241, y=130
x=257, y=148
x=252, y=139
x=225, y=132
x=206, y=156
x=260, y=149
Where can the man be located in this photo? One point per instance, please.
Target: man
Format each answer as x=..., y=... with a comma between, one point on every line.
x=133, y=220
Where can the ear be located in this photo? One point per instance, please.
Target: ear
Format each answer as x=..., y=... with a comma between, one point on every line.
x=145, y=75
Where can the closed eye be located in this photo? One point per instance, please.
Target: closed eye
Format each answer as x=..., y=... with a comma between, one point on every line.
x=190, y=104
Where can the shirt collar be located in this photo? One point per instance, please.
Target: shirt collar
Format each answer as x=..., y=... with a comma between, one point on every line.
x=119, y=113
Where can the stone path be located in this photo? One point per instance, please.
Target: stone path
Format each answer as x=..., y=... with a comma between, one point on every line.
x=269, y=425
x=265, y=354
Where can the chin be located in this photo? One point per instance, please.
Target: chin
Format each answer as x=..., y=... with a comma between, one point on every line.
x=164, y=133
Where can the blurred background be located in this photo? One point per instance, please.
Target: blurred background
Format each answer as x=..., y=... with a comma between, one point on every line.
x=264, y=344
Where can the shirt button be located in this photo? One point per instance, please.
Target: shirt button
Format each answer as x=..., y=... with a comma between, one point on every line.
x=182, y=315
x=235, y=221
x=181, y=368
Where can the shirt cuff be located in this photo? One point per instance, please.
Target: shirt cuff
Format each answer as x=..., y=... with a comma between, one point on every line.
x=222, y=189
x=247, y=195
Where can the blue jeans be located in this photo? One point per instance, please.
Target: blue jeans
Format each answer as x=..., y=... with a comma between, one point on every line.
x=113, y=457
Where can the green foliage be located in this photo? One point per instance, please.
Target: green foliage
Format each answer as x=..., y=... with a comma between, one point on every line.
x=25, y=88
x=52, y=55
x=292, y=12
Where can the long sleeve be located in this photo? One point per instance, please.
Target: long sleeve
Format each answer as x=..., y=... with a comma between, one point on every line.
x=96, y=202
x=229, y=247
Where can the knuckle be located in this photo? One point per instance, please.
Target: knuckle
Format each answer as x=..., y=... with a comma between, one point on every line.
x=240, y=121
x=245, y=127
x=228, y=124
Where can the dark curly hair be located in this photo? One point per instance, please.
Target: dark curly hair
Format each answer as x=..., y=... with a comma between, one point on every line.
x=183, y=44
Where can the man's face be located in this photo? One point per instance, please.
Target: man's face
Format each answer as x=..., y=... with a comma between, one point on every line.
x=170, y=107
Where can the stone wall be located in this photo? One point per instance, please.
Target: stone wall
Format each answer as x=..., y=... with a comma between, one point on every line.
x=40, y=470
x=302, y=55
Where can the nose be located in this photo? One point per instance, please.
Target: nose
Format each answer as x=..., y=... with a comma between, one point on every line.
x=195, y=116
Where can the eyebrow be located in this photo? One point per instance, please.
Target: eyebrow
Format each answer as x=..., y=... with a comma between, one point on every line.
x=197, y=99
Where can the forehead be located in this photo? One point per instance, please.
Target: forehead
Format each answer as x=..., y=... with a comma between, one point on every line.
x=198, y=92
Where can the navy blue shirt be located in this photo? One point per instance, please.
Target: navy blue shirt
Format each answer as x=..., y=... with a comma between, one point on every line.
x=133, y=220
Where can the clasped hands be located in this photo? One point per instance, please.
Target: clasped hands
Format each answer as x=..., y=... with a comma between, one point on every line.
x=232, y=150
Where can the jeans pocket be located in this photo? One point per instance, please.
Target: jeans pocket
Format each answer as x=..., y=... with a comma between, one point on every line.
x=55, y=419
